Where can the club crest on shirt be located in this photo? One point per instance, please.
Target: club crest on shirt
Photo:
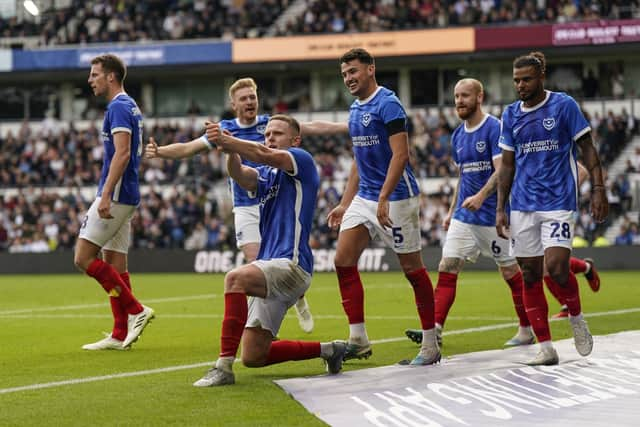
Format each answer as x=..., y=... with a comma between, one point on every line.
x=549, y=123
x=366, y=119
x=481, y=146
x=260, y=129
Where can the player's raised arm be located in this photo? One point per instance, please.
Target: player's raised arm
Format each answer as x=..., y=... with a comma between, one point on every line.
x=322, y=127
x=177, y=150
x=269, y=154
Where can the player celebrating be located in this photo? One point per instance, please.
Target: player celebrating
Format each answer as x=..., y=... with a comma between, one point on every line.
x=539, y=177
x=380, y=199
x=247, y=125
x=286, y=187
x=107, y=224
x=472, y=215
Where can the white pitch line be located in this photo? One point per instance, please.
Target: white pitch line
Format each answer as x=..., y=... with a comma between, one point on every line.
x=82, y=306
x=198, y=365
x=103, y=377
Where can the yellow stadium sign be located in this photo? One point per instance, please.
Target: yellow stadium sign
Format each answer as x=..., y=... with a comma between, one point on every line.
x=393, y=43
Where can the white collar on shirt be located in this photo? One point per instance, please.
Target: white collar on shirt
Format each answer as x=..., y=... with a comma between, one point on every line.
x=535, y=107
x=370, y=97
x=476, y=127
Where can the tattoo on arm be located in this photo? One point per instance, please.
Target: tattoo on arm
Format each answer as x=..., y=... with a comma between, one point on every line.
x=590, y=159
x=492, y=184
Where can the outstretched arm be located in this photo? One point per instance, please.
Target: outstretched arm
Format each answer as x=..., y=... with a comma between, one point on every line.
x=249, y=150
x=321, y=127
x=177, y=150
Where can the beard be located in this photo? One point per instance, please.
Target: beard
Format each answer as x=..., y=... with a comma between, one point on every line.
x=467, y=112
x=532, y=94
x=525, y=96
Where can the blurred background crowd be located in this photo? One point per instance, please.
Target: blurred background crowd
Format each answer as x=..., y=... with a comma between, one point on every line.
x=185, y=203
x=109, y=21
x=48, y=170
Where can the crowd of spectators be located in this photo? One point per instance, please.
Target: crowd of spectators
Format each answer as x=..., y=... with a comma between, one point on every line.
x=35, y=220
x=185, y=202
x=348, y=16
x=629, y=233
x=70, y=157
x=107, y=21
x=612, y=132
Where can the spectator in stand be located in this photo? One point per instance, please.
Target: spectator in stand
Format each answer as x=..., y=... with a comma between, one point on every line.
x=629, y=167
x=617, y=85
x=622, y=187
x=625, y=235
x=635, y=233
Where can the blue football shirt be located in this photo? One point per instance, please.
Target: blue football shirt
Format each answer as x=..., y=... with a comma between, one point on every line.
x=287, y=204
x=371, y=149
x=122, y=115
x=473, y=151
x=544, y=140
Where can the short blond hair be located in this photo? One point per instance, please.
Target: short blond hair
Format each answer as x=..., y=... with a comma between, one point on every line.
x=242, y=83
x=476, y=84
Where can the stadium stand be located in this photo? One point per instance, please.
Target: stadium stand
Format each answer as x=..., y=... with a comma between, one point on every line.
x=48, y=172
x=82, y=22
x=47, y=179
x=347, y=16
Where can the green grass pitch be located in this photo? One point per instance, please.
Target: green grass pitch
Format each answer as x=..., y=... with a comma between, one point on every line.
x=45, y=319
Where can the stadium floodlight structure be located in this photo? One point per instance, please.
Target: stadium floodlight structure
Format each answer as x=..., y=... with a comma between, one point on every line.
x=31, y=7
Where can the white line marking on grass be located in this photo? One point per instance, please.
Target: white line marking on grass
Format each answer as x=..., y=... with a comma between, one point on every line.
x=103, y=377
x=82, y=306
x=198, y=365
